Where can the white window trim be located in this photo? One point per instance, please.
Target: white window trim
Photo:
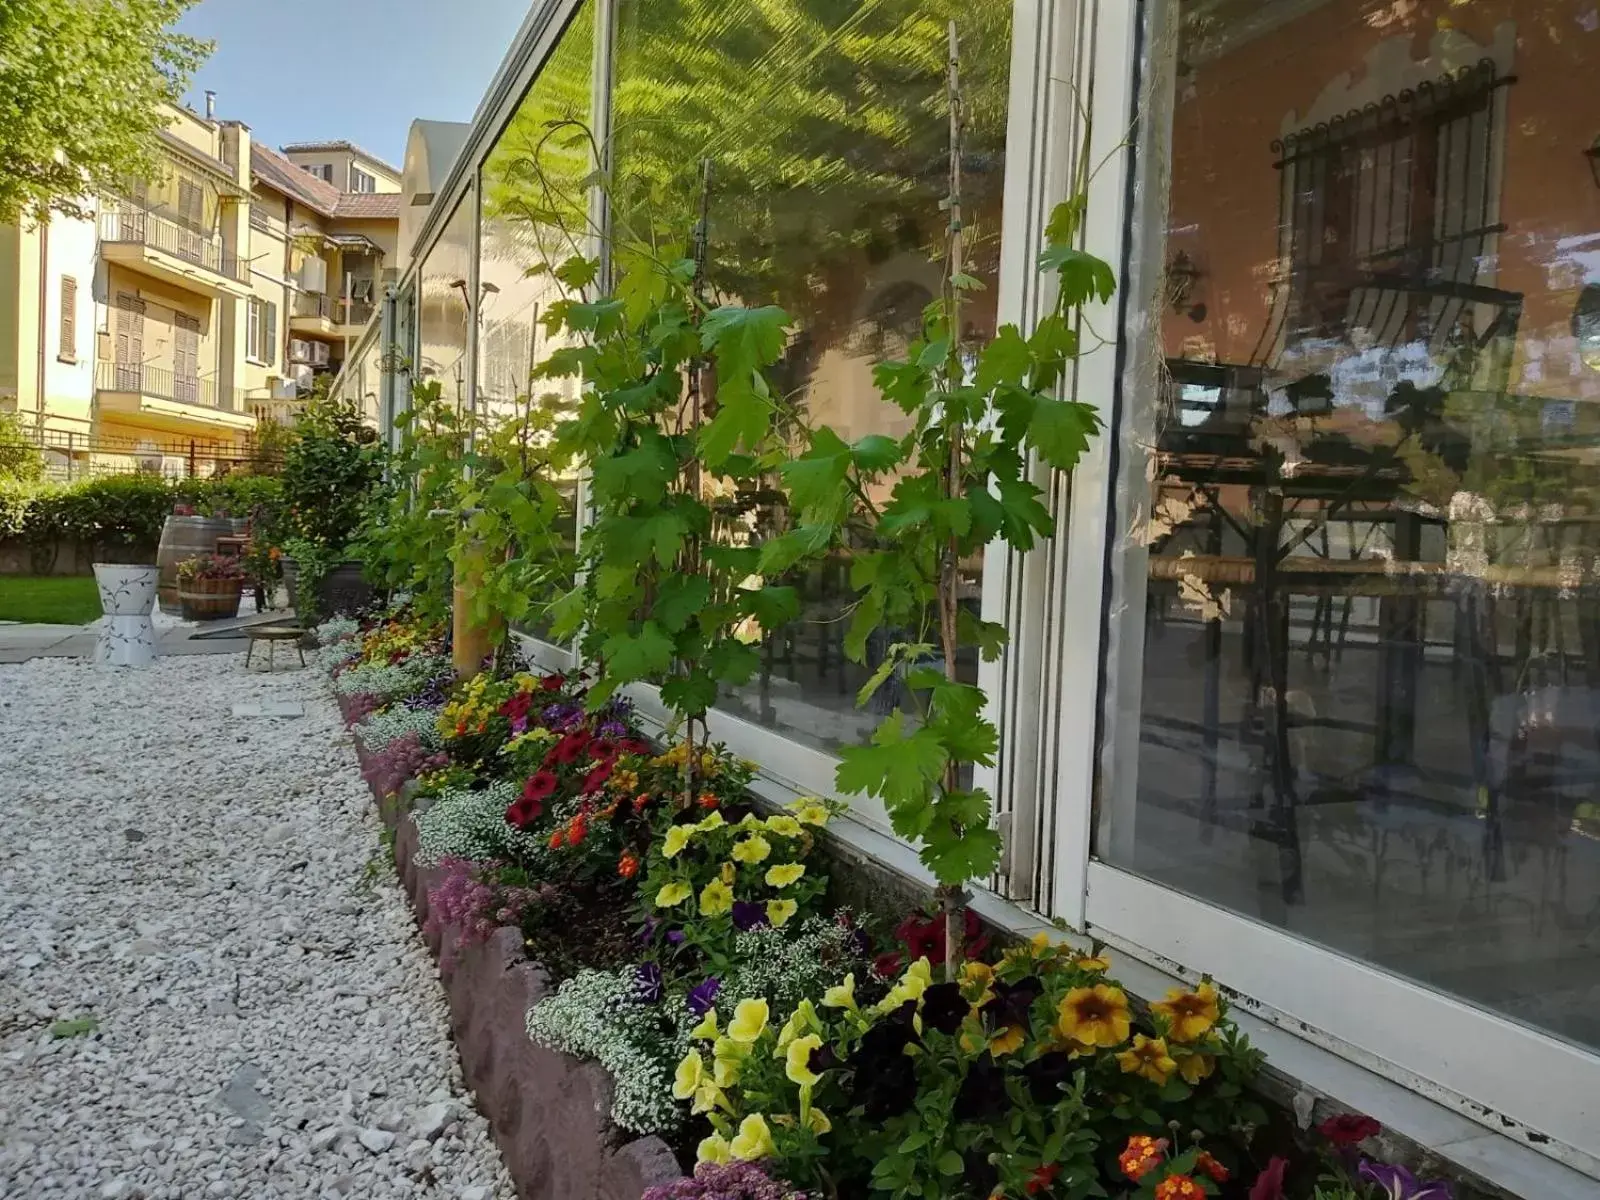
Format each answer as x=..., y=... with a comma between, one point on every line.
x=1505, y=1076
x=253, y=332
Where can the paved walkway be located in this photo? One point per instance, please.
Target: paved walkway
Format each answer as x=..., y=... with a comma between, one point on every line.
x=22, y=642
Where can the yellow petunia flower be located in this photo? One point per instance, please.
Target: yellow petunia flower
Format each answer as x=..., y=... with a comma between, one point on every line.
x=709, y=1097
x=813, y=812
x=797, y=1060
x=818, y=1120
x=751, y=821
x=779, y=912
x=841, y=995
x=749, y=1021
x=690, y=1072
x=715, y=821
x=1148, y=1058
x=784, y=874
x=754, y=1139
x=727, y=1062
x=1095, y=1016
x=752, y=849
x=1006, y=1040
x=716, y=898
x=1092, y=964
x=728, y=873
x=803, y=1017
x=784, y=825
x=1191, y=1014
x=673, y=894
x=677, y=838
x=707, y=1027
x=713, y=1149
x=1195, y=1067
x=918, y=976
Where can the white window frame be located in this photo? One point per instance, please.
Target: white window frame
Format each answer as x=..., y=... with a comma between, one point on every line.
x=363, y=183
x=254, y=327
x=1508, y=1077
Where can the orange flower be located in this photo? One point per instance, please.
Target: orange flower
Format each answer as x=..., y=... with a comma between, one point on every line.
x=1141, y=1155
x=1095, y=1016
x=628, y=864
x=709, y=800
x=1179, y=1187
x=1212, y=1167
x=557, y=839
x=275, y=554
x=1192, y=1014
x=639, y=801
x=1006, y=1040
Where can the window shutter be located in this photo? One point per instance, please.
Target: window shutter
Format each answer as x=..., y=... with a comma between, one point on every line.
x=69, y=318
x=270, y=350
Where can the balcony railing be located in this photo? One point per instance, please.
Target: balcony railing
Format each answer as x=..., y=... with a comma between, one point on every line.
x=354, y=312
x=139, y=227
x=311, y=304
x=163, y=384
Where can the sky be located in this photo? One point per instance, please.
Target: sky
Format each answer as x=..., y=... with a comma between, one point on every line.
x=352, y=70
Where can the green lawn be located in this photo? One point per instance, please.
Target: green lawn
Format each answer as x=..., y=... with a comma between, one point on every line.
x=53, y=599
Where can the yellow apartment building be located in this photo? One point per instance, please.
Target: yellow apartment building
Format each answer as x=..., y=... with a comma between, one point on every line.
x=163, y=329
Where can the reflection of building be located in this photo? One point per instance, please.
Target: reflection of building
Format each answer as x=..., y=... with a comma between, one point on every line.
x=1303, y=696
x=189, y=306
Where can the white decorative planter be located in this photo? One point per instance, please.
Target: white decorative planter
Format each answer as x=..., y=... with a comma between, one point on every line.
x=127, y=594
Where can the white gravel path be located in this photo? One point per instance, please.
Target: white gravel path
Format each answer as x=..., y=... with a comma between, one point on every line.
x=269, y=1021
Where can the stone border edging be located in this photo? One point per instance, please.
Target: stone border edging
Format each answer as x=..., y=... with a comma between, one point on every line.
x=549, y=1112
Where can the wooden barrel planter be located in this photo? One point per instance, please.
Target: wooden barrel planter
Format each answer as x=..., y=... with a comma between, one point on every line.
x=209, y=599
x=183, y=538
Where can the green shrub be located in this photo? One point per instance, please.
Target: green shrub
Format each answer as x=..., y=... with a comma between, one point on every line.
x=20, y=459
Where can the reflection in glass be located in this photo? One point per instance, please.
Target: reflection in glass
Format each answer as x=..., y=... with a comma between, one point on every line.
x=535, y=217
x=826, y=131
x=442, y=298
x=1369, y=537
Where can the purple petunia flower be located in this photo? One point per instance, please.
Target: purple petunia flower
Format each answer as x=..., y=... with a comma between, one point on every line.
x=648, y=985
x=613, y=730
x=703, y=995
x=647, y=931
x=675, y=936
x=1400, y=1184
x=747, y=914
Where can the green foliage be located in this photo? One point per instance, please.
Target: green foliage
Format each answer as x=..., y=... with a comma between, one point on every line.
x=20, y=459
x=957, y=482
x=670, y=592
x=80, y=97
x=329, y=473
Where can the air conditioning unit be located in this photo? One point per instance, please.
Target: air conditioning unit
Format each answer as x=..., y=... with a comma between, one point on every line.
x=301, y=350
x=303, y=378
x=319, y=354
x=285, y=389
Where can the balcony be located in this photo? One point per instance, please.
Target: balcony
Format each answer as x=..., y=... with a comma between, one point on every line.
x=176, y=253
x=313, y=313
x=156, y=398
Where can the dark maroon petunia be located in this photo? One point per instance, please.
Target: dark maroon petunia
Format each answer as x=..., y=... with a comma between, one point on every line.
x=1347, y=1129
x=523, y=812
x=596, y=779
x=603, y=750
x=553, y=683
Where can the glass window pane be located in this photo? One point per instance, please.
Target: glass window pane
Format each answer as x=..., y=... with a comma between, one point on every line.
x=535, y=217
x=1367, y=488
x=442, y=354
x=826, y=132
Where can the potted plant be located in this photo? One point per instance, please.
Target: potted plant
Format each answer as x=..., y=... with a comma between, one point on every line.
x=329, y=474
x=209, y=587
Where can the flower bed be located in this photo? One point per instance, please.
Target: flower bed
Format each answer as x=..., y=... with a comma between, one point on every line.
x=648, y=977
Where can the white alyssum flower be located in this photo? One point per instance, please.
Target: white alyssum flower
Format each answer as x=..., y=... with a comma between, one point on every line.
x=390, y=680
x=596, y=1014
x=471, y=824
x=381, y=728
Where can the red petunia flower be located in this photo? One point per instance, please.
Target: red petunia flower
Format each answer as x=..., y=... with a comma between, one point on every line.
x=603, y=749
x=540, y=785
x=568, y=750
x=553, y=683
x=523, y=812
x=596, y=779
x=635, y=746
x=1347, y=1129
x=1042, y=1178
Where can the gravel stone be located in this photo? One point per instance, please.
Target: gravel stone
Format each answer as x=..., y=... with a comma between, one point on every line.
x=197, y=884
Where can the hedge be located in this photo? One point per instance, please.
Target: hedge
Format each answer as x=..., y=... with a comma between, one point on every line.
x=122, y=510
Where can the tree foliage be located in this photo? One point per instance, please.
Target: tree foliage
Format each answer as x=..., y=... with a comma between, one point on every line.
x=81, y=85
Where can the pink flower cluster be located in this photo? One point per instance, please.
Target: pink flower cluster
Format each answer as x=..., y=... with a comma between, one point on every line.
x=387, y=771
x=725, y=1181
x=464, y=900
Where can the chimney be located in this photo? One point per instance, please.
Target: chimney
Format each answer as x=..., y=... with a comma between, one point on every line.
x=211, y=105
